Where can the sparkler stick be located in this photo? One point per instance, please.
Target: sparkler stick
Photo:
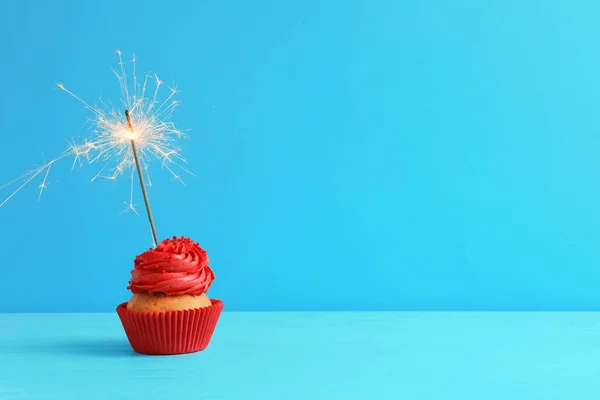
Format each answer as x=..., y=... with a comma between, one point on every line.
x=141, y=176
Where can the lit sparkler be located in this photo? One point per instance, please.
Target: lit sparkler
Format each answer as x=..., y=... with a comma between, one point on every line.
x=123, y=142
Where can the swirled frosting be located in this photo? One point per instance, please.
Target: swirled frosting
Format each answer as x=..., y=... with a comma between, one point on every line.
x=176, y=266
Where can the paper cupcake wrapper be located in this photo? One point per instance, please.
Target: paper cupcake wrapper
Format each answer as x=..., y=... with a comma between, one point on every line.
x=170, y=332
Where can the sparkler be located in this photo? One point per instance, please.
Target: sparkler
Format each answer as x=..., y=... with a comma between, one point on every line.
x=117, y=144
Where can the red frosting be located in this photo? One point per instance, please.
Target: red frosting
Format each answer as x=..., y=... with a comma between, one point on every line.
x=176, y=266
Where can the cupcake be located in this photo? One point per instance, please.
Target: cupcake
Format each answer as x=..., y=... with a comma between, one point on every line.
x=169, y=312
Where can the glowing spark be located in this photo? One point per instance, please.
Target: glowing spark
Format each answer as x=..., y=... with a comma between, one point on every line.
x=43, y=184
x=110, y=144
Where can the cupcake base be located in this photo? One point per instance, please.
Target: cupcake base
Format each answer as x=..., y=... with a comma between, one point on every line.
x=170, y=332
x=159, y=302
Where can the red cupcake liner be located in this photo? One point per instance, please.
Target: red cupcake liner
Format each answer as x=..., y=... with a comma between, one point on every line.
x=170, y=332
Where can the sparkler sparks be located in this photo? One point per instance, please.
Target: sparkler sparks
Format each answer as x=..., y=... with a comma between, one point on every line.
x=147, y=128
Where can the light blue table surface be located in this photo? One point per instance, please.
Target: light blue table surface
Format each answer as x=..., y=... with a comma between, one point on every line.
x=343, y=355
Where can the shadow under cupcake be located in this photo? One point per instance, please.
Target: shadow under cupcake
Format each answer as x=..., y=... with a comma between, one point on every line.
x=169, y=312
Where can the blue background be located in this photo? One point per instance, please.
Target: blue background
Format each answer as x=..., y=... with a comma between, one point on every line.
x=407, y=155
